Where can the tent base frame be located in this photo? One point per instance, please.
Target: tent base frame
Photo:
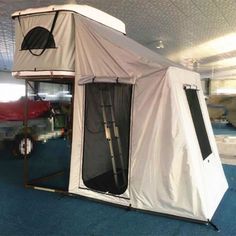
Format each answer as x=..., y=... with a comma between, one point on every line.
x=128, y=208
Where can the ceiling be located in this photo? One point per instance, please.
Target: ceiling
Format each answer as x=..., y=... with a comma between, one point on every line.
x=196, y=33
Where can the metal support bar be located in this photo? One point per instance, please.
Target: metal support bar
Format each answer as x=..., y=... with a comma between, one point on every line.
x=214, y=226
x=26, y=164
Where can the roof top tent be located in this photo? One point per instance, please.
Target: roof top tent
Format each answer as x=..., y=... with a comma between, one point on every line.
x=141, y=131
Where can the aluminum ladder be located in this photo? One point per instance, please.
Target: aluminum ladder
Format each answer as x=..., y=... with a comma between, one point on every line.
x=111, y=128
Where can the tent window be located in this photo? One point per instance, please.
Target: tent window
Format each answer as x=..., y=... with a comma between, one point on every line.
x=198, y=122
x=106, y=137
x=38, y=38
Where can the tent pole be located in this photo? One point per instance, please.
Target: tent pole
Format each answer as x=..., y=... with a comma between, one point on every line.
x=26, y=164
x=214, y=226
x=46, y=189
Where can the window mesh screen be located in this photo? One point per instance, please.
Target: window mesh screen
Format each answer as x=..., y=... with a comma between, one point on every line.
x=38, y=38
x=198, y=122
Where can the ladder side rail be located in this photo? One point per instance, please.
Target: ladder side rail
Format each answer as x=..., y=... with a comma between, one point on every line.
x=117, y=136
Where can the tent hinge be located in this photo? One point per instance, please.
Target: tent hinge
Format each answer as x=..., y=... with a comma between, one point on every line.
x=213, y=225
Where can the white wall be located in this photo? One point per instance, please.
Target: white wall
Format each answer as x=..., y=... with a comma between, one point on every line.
x=11, y=89
x=6, y=77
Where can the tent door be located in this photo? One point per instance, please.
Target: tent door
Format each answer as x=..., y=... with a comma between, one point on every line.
x=106, y=137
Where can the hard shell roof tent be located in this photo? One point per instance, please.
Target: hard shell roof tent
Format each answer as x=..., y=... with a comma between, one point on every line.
x=141, y=132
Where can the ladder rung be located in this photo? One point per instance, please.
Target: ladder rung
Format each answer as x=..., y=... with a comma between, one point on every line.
x=113, y=139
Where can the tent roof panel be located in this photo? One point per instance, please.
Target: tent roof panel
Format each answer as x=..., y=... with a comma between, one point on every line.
x=84, y=10
x=119, y=56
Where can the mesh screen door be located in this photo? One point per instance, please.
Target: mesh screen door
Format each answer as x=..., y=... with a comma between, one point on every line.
x=198, y=122
x=106, y=137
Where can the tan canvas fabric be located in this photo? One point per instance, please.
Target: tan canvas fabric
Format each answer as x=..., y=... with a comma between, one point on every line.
x=106, y=54
x=53, y=59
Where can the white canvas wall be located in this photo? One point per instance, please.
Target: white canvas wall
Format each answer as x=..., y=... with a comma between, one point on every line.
x=167, y=173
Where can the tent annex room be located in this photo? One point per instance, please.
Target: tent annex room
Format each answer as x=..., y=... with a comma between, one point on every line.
x=133, y=113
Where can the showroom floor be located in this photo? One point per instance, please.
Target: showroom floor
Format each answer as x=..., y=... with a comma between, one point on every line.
x=31, y=212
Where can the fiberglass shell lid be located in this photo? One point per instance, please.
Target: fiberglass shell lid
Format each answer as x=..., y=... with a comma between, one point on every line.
x=84, y=10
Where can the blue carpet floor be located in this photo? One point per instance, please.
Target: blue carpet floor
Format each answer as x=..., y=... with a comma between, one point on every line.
x=48, y=158
x=31, y=212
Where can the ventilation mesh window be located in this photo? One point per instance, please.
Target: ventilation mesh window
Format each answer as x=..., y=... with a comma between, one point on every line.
x=38, y=38
x=198, y=122
x=106, y=137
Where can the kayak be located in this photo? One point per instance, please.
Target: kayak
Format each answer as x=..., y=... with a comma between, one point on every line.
x=15, y=111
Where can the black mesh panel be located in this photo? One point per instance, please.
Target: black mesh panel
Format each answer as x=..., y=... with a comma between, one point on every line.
x=105, y=162
x=198, y=122
x=38, y=38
